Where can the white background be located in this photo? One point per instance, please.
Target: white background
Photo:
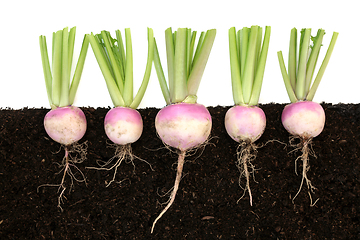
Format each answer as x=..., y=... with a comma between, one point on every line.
x=22, y=22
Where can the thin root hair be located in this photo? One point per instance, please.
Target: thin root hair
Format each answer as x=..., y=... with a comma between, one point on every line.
x=246, y=152
x=67, y=163
x=122, y=153
x=306, y=148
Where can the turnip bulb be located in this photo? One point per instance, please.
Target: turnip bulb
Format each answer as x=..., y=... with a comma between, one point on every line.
x=244, y=123
x=305, y=119
x=65, y=125
x=123, y=125
x=183, y=125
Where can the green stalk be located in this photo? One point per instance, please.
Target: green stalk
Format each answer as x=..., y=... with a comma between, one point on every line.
x=128, y=84
x=184, y=71
x=247, y=80
x=199, y=66
x=170, y=56
x=180, y=73
x=323, y=66
x=112, y=60
x=56, y=68
x=100, y=41
x=258, y=48
x=121, y=58
x=292, y=57
x=103, y=64
x=311, y=64
x=57, y=80
x=78, y=70
x=289, y=89
x=191, y=51
x=139, y=96
x=188, y=48
x=72, y=34
x=235, y=68
x=198, y=48
x=161, y=76
x=46, y=67
x=260, y=68
x=304, y=48
x=244, y=40
x=65, y=72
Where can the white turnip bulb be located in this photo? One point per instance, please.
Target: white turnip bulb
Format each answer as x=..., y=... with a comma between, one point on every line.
x=65, y=125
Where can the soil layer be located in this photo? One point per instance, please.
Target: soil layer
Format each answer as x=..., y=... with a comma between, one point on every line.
x=206, y=204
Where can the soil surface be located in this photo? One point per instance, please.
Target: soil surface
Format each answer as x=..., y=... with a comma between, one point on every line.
x=206, y=205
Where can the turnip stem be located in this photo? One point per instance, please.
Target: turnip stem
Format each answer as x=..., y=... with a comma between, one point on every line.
x=161, y=76
x=114, y=63
x=170, y=56
x=46, y=67
x=293, y=57
x=56, y=68
x=287, y=82
x=180, y=72
x=128, y=84
x=323, y=66
x=247, y=79
x=260, y=66
x=199, y=63
x=180, y=166
x=247, y=63
x=185, y=69
x=141, y=91
x=303, y=56
x=78, y=70
x=65, y=71
x=235, y=68
x=311, y=63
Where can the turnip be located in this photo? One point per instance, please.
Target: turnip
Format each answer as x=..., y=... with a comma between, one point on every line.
x=123, y=124
x=183, y=124
x=303, y=118
x=245, y=122
x=65, y=124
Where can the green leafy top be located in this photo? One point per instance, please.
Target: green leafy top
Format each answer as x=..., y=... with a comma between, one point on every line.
x=116, y=65
x=247, y=62
x=302, y=68
x=185, y=63
x=57, y=77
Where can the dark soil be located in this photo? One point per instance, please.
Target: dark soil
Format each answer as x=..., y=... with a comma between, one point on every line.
x=206, y=204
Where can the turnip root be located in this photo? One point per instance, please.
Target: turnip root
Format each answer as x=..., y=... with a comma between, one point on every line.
x=123, y=124
x=183, y=124
x=303, y=118
x=245, y=122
